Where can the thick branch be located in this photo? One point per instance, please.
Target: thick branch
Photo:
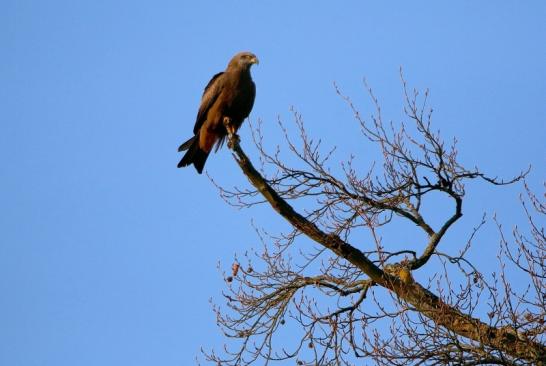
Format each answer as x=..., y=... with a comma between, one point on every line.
x=505, y=339
x=332, y=242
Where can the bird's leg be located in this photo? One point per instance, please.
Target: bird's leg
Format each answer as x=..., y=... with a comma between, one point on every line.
x=232, y=136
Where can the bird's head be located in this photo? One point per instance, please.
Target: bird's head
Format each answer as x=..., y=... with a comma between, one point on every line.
x=243, y=60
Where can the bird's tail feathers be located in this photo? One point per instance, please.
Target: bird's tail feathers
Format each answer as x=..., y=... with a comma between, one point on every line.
x=186, y=145
x=194, y=155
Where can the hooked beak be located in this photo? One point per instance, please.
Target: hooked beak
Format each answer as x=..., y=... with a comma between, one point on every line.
x=255, y=60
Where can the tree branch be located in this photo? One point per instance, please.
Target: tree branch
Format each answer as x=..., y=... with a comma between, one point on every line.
x=505, y=339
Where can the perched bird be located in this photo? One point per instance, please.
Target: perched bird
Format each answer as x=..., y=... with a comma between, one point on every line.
x=227, y=100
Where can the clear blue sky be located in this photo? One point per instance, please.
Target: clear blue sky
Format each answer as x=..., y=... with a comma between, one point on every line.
x=108, y=253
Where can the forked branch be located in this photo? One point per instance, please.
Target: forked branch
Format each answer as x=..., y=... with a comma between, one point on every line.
x=504, y=339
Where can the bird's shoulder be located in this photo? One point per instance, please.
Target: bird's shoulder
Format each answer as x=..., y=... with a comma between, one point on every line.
x=214, y=82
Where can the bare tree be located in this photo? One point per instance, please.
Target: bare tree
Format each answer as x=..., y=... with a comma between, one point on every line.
x=346, y=305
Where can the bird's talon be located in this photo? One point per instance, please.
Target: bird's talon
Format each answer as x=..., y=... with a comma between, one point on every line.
x=228, y=125
x=233, y=139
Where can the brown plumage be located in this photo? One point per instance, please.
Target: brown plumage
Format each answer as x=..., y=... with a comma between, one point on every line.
x=229, y=94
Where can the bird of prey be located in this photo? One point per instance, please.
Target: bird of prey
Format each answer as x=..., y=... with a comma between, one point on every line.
x=227, y=100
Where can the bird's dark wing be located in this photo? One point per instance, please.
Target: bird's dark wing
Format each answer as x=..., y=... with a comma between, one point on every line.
x=210, y=94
